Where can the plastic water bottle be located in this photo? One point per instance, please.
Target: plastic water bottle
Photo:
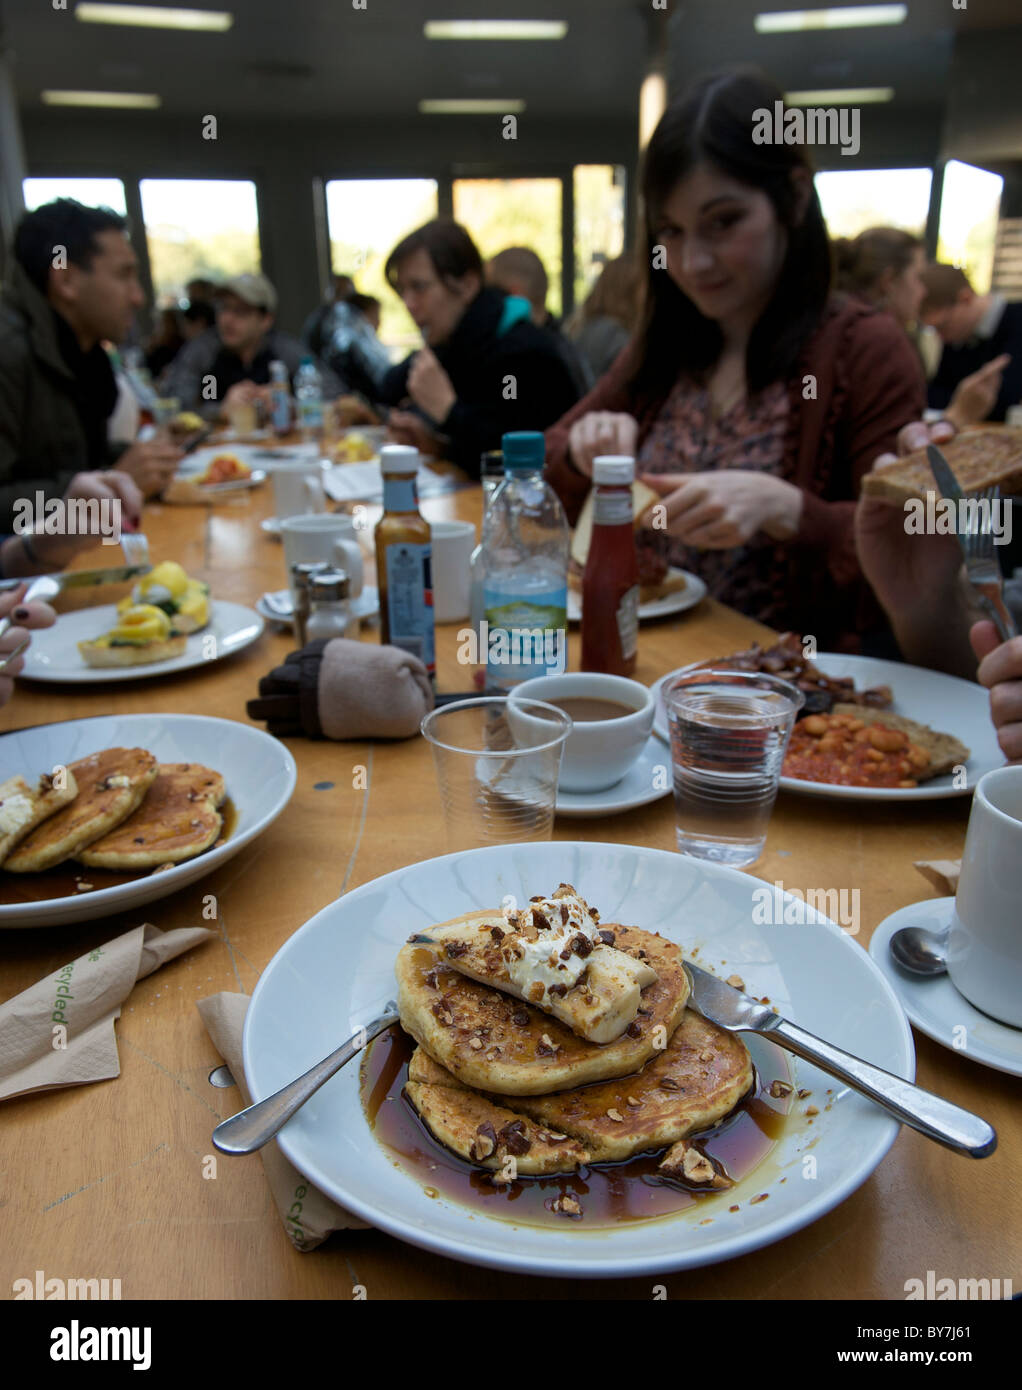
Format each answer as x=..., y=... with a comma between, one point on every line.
x=309, y=401
x=525, y=544
x=280, y=399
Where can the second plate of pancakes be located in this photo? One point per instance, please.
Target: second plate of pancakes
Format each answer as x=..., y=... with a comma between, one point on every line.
x=259, y=777
x=337, y=972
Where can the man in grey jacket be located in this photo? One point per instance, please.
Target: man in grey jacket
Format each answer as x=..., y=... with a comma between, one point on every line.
x=72, y=285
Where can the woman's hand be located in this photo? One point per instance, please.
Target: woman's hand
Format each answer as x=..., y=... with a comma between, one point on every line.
x=1000, y=670
x=723, y=509
x=430, y=387
x=601, y=432
x=26, y=615
x=405, y=427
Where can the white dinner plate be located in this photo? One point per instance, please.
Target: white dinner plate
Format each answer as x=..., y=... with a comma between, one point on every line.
x=258, y=770
x=682, y=599
x=54, y=654
x=648, y=779
x=337, y=971
x=934, y=1005
x=945, y=703
x=366, y=606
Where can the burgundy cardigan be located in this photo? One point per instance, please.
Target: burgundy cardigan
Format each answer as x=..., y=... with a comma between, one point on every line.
x=869, y=384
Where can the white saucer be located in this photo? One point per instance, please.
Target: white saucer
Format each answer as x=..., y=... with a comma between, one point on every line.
x=934, y=1005
x=636, y=788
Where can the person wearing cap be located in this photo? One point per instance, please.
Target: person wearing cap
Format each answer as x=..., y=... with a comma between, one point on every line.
x=72, y=287
x=230, y=363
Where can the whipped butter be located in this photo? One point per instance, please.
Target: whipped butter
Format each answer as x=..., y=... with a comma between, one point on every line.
x=550, y=958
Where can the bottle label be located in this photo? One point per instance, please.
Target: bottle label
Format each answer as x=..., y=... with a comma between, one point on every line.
x=410, y=600
x=628, y=622
x=526, y=635
x=310, y=414
x=612, y=508
x=400, y=494
x=280, y=408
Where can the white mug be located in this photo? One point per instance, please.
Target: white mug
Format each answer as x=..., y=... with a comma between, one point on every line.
x=330, y=538
x=297, y=488
x=984, y=957
x=453, y=543
x=597, y=753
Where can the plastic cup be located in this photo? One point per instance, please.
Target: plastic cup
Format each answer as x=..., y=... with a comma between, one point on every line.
x=497, y=771
x=729, y=734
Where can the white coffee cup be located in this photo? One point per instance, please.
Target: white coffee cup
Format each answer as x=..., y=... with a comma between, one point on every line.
x=984, y=957
x=297, y=487
x=598, y=752
x=453, y=543
x=331, y=538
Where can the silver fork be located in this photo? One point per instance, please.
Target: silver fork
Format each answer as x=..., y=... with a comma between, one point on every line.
x=983, y=570
x=135, y=545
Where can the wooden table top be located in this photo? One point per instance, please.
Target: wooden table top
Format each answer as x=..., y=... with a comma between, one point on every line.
x=106, y=1180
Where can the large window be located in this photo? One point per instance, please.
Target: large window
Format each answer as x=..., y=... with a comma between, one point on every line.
x=599, y=221
x=94, y=193
x=198, y=228
x=969, y=203
x=366, y=218
x=515, y=212
x=855, y=199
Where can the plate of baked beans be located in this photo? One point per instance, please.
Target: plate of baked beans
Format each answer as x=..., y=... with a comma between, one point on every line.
x=870, y=729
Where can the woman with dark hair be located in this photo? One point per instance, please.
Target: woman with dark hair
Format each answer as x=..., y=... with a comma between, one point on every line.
x=484, y=368
x=753, y=398
x=883, y=266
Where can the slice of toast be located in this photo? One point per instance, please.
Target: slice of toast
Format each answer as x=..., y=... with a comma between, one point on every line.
x=945, y=750
x=22, y=808
x=643, y=498
x=979, y=459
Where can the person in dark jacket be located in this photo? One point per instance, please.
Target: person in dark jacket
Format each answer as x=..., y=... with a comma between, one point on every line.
x=976, y=330
x=72, y=284
x=519, y=270
x=485, y=368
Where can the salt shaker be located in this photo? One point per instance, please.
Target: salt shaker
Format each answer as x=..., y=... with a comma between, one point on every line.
x=329, y=611
x=301, y=573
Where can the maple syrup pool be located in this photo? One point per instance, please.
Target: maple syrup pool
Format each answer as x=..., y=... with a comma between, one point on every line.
x=609, y=1193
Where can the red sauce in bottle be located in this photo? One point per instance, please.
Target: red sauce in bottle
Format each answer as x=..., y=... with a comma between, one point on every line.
x=610, y=585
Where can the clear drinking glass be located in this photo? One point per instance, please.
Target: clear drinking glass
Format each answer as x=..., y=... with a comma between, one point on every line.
x=729, y=734
x=497, y=767
x=491, y=474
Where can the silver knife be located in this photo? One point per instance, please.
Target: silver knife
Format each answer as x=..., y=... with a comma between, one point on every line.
x=983, y=571
x=47, y=586
x=938, y=1119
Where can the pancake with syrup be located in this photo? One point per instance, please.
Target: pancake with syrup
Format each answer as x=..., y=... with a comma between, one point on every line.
x=496, y=1043
x=685, y=1089
x=111, y=784
x=178, y=819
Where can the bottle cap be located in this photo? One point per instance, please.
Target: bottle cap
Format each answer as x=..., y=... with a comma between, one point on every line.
x=328, y=586
x=523, y=449
x=303, y=570
x=399, y=458
x=613, y=469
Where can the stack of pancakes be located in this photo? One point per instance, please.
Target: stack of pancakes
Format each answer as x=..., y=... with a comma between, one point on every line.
x=118, y=809
x=495, y=1078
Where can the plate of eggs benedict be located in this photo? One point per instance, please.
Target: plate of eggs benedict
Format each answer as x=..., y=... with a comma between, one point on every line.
x=167, y=623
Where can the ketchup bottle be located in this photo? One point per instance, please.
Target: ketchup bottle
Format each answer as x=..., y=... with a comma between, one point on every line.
x=610, y=585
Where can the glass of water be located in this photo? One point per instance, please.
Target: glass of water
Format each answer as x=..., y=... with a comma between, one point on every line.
x=491, y=474
x=497, y=767
x=729, y=734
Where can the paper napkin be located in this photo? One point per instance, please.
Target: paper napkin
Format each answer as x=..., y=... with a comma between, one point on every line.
x=61, y=1031
x=308, y=1215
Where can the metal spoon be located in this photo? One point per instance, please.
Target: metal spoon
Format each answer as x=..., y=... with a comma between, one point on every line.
x=252, y=1128
x=921, y=951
